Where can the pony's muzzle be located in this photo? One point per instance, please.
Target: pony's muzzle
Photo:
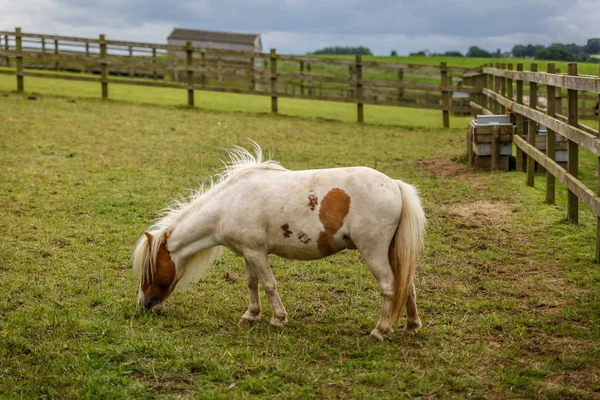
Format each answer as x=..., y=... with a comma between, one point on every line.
x=147, y=303
x=153, y=305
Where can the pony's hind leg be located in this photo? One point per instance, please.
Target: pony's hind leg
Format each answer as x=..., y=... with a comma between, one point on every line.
x=413, y=322
x=259, y=263
x=381, y=269
x=254, y=309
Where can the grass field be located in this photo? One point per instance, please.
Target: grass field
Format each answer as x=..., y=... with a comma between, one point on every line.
x=588, y=68
x=508, y=292
x=322, y=110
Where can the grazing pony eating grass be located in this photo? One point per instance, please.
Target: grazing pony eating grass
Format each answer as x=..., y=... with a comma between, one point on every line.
x=257, y=208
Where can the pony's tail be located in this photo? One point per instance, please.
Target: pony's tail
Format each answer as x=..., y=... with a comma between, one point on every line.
x=406, y=246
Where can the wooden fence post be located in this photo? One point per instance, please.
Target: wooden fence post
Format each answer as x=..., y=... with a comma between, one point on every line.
x=203, y=79
x=309, y=69
x=497, y=84
x=491, y=102
x=573, y=164
x=273, y=59
x=87, y=54
x=189, y=52
x=252, y=75
x=509, y=84
x=103, y=67
x=19, y=64
x=559, y=97
x=219, y=71
x=484, y=85
x=56, y=62
x=7, y=48
x=131, y=67
x=503, y=88
x=532, y=127
x=495, y=148
x=445, y=97
x=154, y=63
x=400, y=88
x=351, y=77
x=551, y=137
x=359, y=89
x=520, y=120
x=483, y=81
x=302, y=78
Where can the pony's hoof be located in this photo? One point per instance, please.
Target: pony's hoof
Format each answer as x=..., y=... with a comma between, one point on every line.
x=412, y=327
x=159, y=308
x=375, y=334
x=278, y=322
x=247, y=321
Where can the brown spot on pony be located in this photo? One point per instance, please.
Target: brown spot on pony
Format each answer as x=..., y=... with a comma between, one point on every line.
x=286, y=230
x=334, y=208
x=313, y=201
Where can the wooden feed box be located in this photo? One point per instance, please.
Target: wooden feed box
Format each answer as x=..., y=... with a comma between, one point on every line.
x=561, y=146
x=479, y=140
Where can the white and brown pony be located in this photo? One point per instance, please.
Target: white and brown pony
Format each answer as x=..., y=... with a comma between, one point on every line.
x=257, y=207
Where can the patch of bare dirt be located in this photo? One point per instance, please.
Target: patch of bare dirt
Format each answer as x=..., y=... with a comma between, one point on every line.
x=446, y=169
x=481, y=212
x=578, y=383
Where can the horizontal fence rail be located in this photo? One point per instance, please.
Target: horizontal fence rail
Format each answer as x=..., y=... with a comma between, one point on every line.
x=270, y=74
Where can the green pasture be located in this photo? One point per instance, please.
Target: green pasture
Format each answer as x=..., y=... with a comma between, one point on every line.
x=507, y=290
x=323, y=110
x=588, y=68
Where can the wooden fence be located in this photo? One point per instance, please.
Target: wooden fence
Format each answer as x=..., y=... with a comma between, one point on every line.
x=494, y=89
x=499, y=83
x=270, y=74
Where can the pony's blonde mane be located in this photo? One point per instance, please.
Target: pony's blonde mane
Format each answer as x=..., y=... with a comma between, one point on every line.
x=240, y=161
x=144, y=255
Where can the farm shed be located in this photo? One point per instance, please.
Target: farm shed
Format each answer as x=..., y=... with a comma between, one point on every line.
x=250, y=42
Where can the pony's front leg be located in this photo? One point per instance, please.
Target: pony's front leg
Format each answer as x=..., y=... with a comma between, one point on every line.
x=259, y=263
x=254, y=309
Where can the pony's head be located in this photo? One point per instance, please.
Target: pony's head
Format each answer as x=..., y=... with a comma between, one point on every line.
x=160, y=273
x=157, y=271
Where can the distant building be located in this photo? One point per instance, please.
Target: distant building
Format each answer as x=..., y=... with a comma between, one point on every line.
x=250, y=42
x=508, y=54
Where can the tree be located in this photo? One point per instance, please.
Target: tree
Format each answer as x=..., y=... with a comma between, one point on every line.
x=360, y=50
x=418, y=53
x=592, y=46
x=452, y=54
x=475, y=51
x=519, y=51
x=562, y=52
x=394, y=53
x=553, y=52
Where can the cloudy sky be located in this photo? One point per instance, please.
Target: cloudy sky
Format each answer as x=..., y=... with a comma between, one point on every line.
x=300, y=26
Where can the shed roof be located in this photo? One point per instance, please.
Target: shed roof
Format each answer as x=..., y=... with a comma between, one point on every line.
x=230, y=37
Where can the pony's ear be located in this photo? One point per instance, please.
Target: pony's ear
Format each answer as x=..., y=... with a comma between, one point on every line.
x=149, y=236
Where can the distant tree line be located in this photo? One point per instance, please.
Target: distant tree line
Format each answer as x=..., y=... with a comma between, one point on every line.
x=360, y=50
x=556, y=51
x=559, y=51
